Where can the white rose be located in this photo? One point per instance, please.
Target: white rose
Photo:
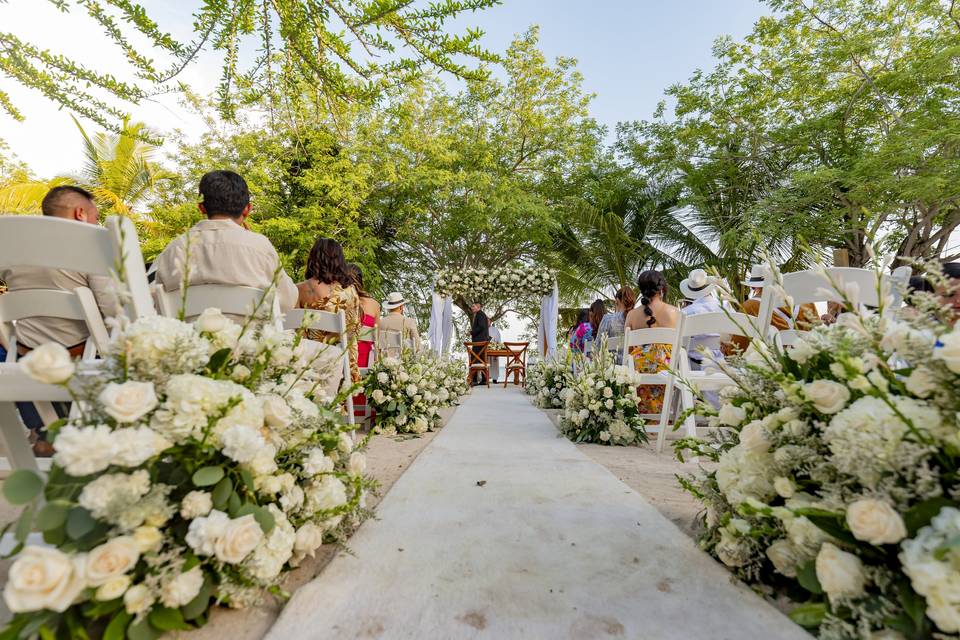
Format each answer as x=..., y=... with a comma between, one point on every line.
x=947, y=349
x=111, y=560
x=753, y=437
x=875, y=522
x=731, y=415
x=44, y=578
x=309, y=538
x=129, y=401
x=357, y=464
x=240, y=537
x=921, y=382
x=113, y=589
x=276, y=411
x=839, y=573
x=784, y=557
x=377, y=396
x=240, y=373
x=784, y=487
x=182, y=589
x=801, y=351
x=211, y=321
x=827, y=396
x=195, y=504
x=345, y=444
x=138, y=599
x=148, y=538
x=49, y=363
x=383, y=378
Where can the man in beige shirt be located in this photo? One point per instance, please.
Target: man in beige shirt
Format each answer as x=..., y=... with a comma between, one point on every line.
x=70, y=203
x=222, y=249
x=396, y=321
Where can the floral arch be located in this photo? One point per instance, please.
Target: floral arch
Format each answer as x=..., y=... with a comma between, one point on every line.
x=483, y=284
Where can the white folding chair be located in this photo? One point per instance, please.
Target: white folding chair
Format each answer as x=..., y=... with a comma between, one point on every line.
x=368, y=334
x=16, y=386
x=718, y=322
x=643, y=337
x=390, y=343
x=813, y=286
x=232, y=300
x=55, y=243
x=328, y=322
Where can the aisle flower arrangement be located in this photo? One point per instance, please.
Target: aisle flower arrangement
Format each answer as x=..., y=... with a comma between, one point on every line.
x=407, y=393
x=601, y=404
x=485, y=284
x=548, y=381
x=205, y=462
x=836, y=482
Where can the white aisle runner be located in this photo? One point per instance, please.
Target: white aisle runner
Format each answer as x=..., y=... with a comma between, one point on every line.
x=550, y=546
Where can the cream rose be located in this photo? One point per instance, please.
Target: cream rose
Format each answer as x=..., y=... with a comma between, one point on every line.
x=875, y=522
x=44, y=578
x=111, y=560
x=827, y=396
x=211, y=320
x=357, y=464
x=731, y=415
x=947, y=349
x=784, y=557
x=276, y=411
x=240, y=537
x=129, y=401
x=113, y=589
x=753, y=437
x=182, y=589
x=148, y=538
x=49, y=363
x=309, y=538
x=138, y=599
x=840, y=573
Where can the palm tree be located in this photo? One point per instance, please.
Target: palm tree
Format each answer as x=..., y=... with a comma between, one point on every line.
x=119, y=170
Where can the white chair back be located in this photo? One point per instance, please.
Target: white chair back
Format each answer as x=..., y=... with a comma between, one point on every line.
x=55, y=243
x=78, y=304
x=643, y=337
x=233, y=300
x=328, y=322
x=390, y=343
x=16, y=386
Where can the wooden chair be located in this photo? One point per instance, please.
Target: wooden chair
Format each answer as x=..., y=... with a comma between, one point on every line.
x=477, y=361
x=516, y=362
x=332, y=323
x=232, y=300
x=718, y=322
x=643, y=337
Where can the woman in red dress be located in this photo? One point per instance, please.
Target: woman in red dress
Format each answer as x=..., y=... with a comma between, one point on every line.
x=369, y=319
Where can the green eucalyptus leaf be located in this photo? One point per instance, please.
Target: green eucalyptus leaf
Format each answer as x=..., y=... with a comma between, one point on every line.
x=199, y=605
x=24, y=525
x=221, y=493
x=117, y=628
x=79, y=523
x=265, y=518
x=807, y=577
x=52, y=515
x=143, y=630
x=22, y=486
x=809, y=615
x=234, y=504
x=168, y=619
x=207, y=476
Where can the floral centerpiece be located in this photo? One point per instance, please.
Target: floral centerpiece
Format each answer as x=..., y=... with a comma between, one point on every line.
x=836, y=475
x=548, y=380
x=407, y=393
x=484, y=284
x=204, y=462
x=601, y=404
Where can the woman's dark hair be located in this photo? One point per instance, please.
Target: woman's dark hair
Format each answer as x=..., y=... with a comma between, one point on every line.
x=627, y=298
x=356, y=273
x=650, y=284
x=582, y=316
x=327, y=264
x=597, y=310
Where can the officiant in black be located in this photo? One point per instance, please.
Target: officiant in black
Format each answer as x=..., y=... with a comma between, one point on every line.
x=479, y=332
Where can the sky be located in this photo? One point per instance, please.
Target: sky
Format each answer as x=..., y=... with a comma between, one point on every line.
x=628, y=51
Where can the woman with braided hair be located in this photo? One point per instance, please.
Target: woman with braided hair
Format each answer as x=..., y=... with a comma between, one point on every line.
x=652, y=313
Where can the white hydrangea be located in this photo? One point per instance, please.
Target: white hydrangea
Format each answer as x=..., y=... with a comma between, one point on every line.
x=743, y=474
x=196, y=504
x=155, y=347
x=108, y=496
x=135, y=446
x=85, y=450
x=936, y=578
x=241, y=443
x=192, y=399
x=274, y=550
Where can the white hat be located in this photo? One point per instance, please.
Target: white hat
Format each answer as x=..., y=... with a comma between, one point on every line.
x=758, y=276
x=393, y=301
x=697, y=285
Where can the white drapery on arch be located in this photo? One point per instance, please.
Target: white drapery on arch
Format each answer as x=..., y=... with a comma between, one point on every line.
x=440, y=332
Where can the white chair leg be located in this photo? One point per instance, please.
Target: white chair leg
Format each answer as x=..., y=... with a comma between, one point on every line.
x=665, y=414
x=690, y=422
x=15, y=438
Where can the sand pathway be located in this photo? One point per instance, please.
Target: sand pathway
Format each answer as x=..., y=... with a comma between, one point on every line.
x=501, y=529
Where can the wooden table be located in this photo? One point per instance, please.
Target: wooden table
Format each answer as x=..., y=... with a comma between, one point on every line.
x=504, y=353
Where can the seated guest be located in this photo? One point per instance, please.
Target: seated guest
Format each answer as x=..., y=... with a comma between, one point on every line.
x=951, y=293
x=802, y=317
x=76, y=204
x=654, y=313
x=698, y=289
x=222, y=249
x=597, y=310
x=611, y=326
x=395, y=320
x=330, y=287
x=369, y=314
x=581, y=332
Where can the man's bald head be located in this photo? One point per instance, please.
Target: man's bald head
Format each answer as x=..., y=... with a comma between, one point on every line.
x=72, y=203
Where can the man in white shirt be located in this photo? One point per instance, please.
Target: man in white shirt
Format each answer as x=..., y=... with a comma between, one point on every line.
x=700, y=291
x=394, y=320
x=222, y=249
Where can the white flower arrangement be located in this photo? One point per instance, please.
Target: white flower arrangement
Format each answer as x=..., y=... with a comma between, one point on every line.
x=835, y=481
x=548, y=381
x=602, y=406
x=502, y=282
x=199, y=470
x=407, y=393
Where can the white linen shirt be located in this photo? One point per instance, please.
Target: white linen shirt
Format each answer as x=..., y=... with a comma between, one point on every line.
x=223, y=252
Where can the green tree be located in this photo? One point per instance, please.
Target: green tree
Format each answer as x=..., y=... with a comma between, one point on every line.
x=332, y=49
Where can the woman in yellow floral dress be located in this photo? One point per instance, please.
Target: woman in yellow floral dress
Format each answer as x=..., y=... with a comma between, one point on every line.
x=653, y=313
x=329, y=287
